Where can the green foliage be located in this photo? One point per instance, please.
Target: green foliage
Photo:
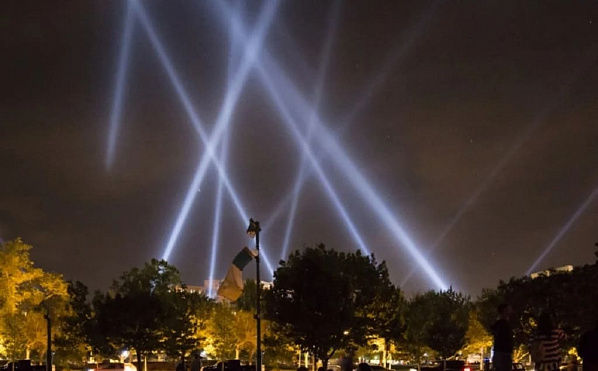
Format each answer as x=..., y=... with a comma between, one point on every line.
x=420, y=309
x=71, y=343
x=438, y=320
x=222, y=332
x=477, y=335
x=137, y=310
x=182, y=325
x=322, y=299
x=446, y=331
x=571, y=296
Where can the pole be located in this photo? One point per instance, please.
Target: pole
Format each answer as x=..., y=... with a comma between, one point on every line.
x=49, y=333
x=258, y=319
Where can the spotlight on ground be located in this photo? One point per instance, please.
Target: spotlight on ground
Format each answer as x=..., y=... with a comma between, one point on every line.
x=563, y=230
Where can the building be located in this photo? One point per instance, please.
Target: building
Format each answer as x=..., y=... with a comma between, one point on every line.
x=548, y=272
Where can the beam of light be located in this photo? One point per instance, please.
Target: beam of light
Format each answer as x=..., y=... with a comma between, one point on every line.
x=117, y=103
x=268, y=71
x=252, y=48
x=354, y=175
x=471, y=200
x=392, y=63
x=223, y=158
x=563, y=230
x=217, y=219
x=319, y=88
x=292, y=124
x=290, y=121
x=517, y=143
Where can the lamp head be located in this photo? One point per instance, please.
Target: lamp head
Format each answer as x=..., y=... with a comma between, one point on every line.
x=254, y=227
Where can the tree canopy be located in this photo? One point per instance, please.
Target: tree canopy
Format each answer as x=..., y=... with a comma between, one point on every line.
x=322, y=299
x=27, y=294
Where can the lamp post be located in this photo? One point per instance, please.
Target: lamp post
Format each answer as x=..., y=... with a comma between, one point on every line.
x=254, y=231
x=49, y=335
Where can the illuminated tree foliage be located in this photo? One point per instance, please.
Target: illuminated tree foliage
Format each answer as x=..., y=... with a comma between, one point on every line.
x=322, y=300
x=479, y=339
x=186, y=315
x=27, y=293
x=388, y=315
x=222, y=332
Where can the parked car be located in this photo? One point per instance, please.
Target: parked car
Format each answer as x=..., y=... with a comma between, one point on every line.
x=230, y=365
x=116, y=366
x=378, y=368
x=452, y=365
x=516, y=367
x=23, y=365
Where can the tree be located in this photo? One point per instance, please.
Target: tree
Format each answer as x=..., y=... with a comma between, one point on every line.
x=222, y=332
x=388, y=312
x=572, y=298
x=419, y=312
x=134, y=313
x=446, y=332
x=436, y=320
x=181, y=326
x=478, y=338
x=248, y=299
x=27, y=294
x=321, y=299
x=72, y=341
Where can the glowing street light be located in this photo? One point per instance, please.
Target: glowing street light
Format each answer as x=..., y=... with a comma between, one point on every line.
x=253, y=230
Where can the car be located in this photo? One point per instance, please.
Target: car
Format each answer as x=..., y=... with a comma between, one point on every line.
x=452, y=365
x=378, y=368
x=516, y=367
x=23, y=365
x=117, y=366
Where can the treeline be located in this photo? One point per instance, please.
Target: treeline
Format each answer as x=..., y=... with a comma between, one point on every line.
x=323, y=302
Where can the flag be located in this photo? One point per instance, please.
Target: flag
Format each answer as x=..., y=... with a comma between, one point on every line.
x=232, y=286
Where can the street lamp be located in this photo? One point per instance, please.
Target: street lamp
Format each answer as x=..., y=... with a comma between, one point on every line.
x=253, y=230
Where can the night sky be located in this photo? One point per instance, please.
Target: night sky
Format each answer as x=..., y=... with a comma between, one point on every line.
x=495, y=102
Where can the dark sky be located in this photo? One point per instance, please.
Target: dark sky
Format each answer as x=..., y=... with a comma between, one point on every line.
x=495, y=100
